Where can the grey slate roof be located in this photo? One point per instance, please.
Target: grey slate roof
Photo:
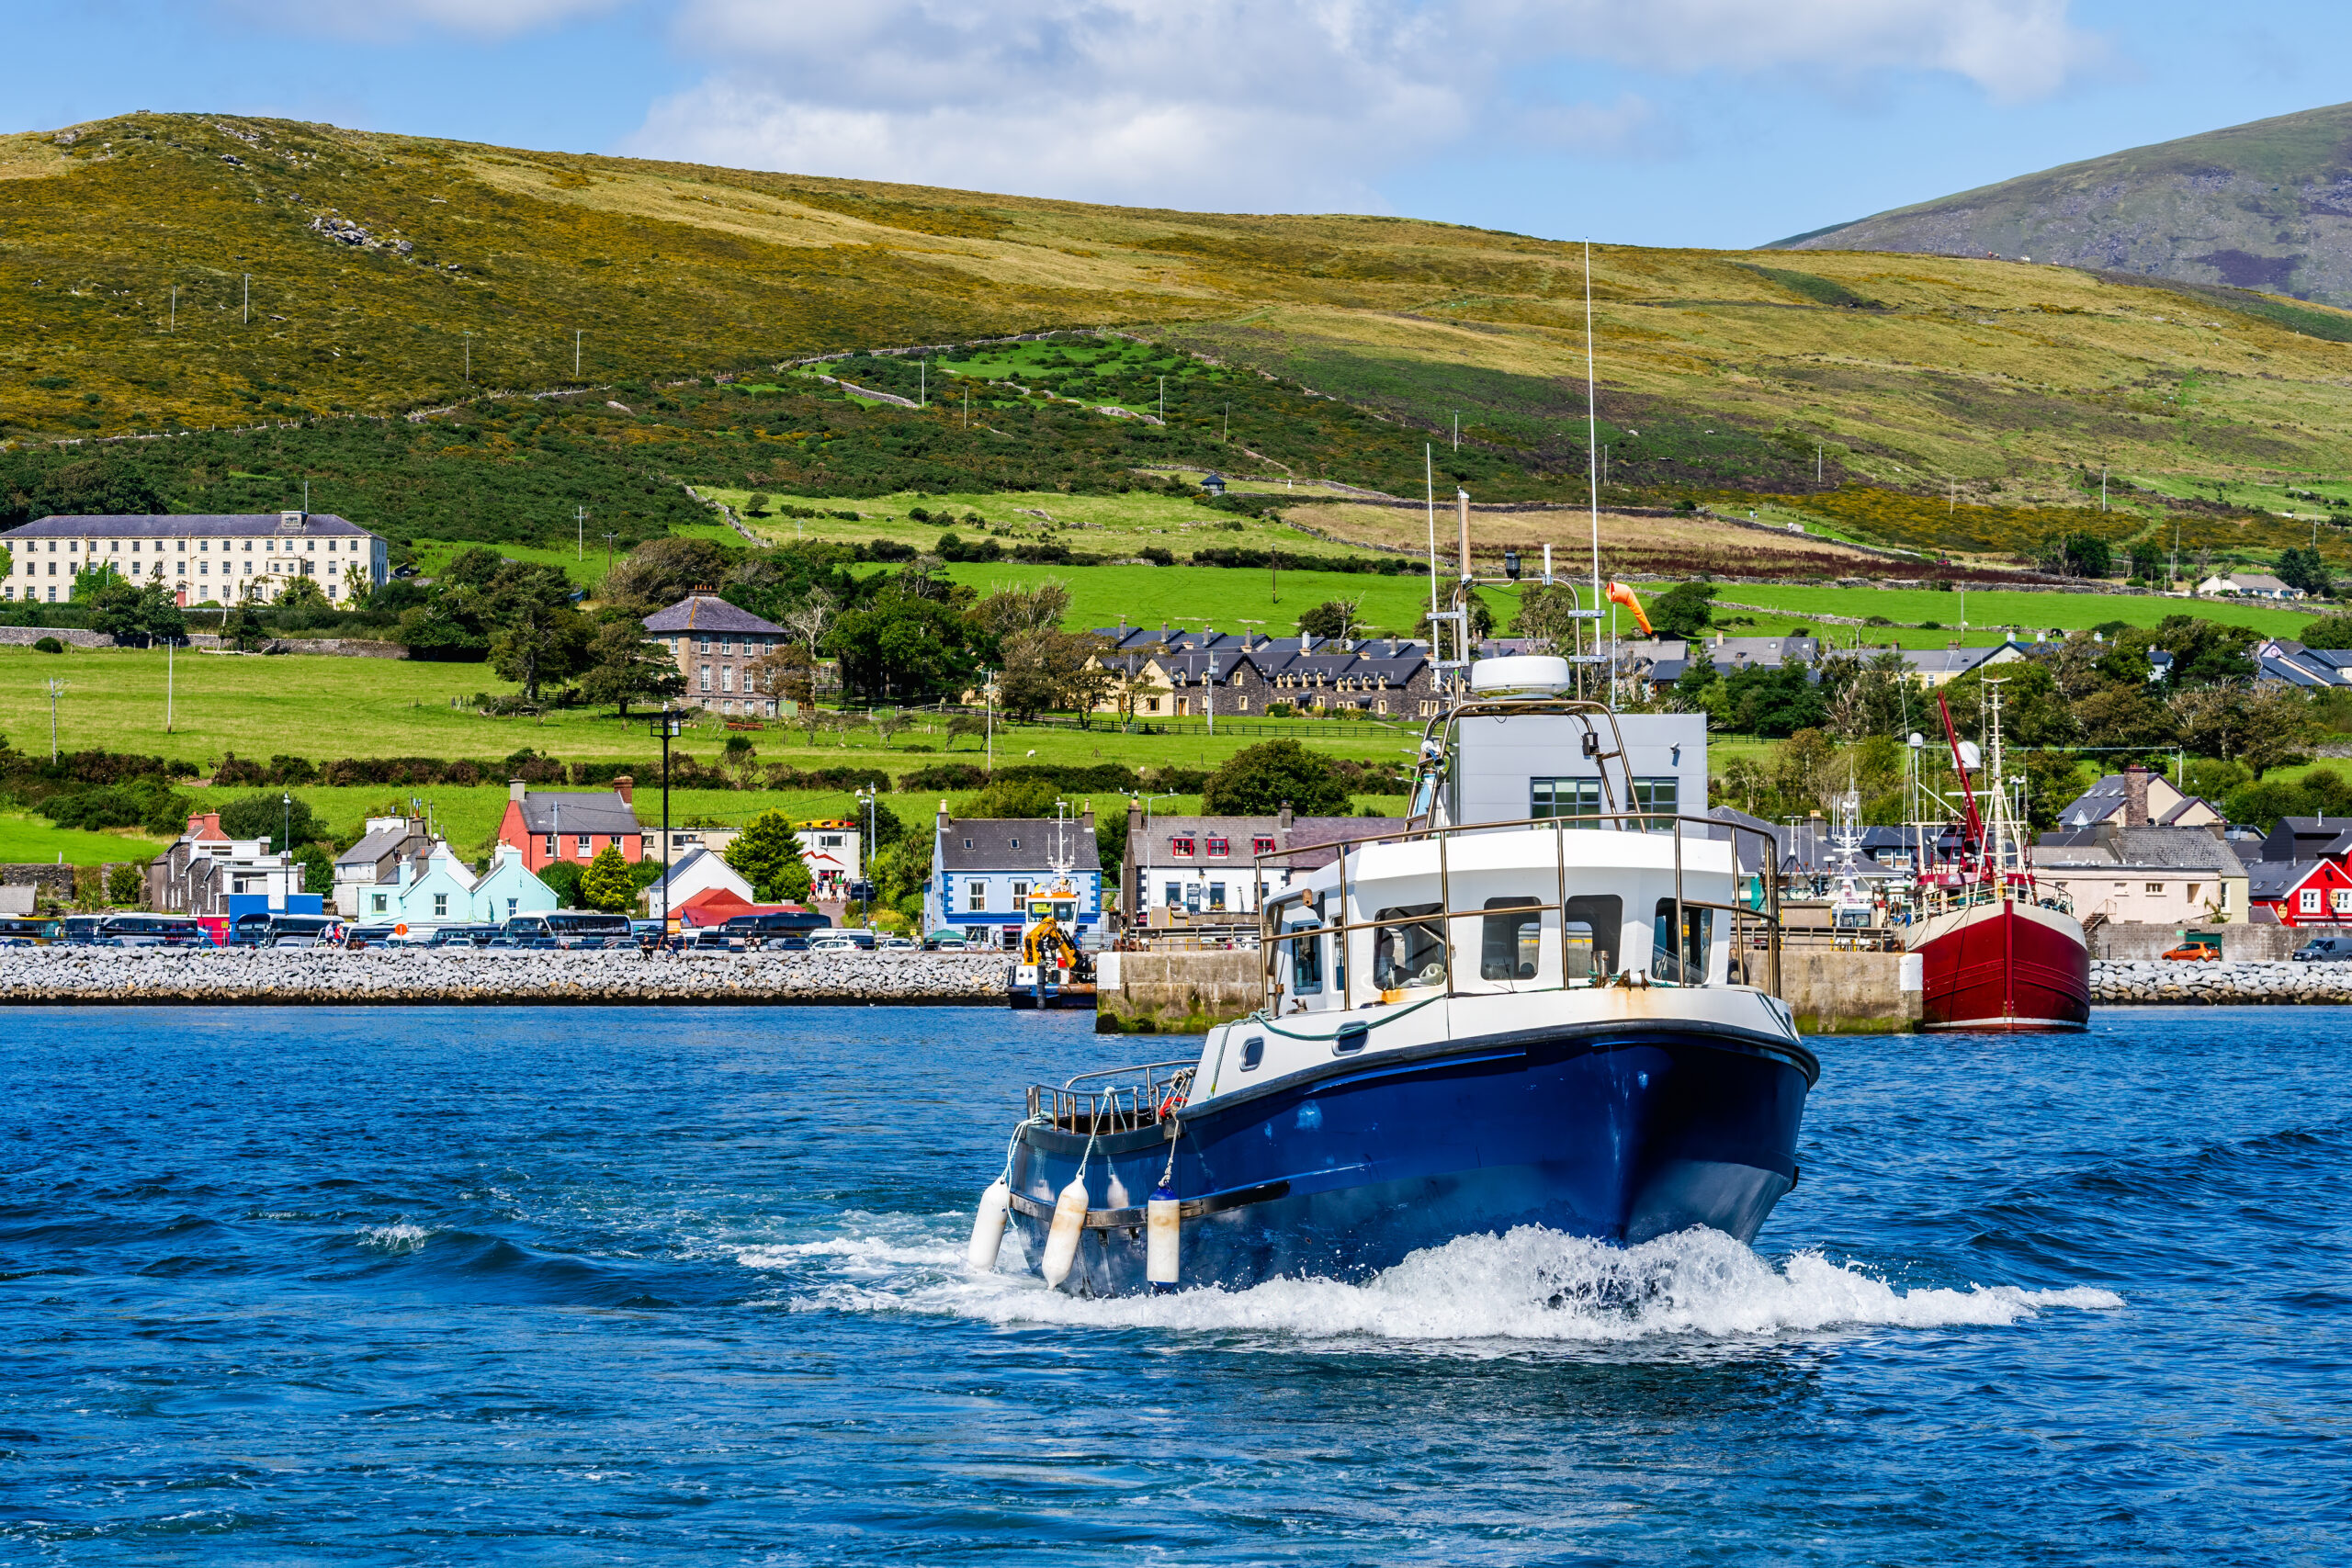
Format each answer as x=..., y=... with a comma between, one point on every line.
x=709, y=613
x=2151, y=849
x=1297, y=846
x=2276, y=878
x=577, y=811
x=377, y=845
x=166, y=525
x=1016, y=843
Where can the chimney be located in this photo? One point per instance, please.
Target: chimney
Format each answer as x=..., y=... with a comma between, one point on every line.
x=1086, y=818
x=2135, y=795
x=1283, y=821
x=1134, y=815
x=943, y=817
x=515, y=790
x=626, y=787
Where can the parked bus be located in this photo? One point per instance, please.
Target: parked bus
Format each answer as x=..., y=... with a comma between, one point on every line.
x=23, y=930
x=150, y=930
x=573, y=928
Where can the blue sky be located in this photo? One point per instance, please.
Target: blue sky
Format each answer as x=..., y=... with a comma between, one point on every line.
x=1691, y=122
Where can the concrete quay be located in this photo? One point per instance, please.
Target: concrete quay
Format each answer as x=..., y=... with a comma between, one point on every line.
x=420, y=977
x=2175, y=982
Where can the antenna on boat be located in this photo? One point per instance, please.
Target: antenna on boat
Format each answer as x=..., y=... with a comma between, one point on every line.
x=1428, y=482
x=1592, y=461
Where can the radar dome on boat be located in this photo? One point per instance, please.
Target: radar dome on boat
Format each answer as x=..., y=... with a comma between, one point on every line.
x=1521, y=673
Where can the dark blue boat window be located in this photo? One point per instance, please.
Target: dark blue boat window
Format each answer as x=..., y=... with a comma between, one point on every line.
x=1510, y=944
x=1305, y=959
x=1352, y=1038
x=1253, y=1051
x=1594, y=928
x=1689, y=967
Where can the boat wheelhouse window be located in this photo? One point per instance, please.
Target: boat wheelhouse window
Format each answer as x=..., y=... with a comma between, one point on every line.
x=1689, y=967
x=1305, y=959
x=1410, y=954
x=1564, y=797
x=1593, y=928
x=1253, y=1051
x=1509, y=942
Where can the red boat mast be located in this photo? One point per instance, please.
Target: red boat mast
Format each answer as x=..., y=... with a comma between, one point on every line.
x=1967, y=789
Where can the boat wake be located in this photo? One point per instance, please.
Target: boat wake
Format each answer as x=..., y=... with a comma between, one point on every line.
x=1530, y=1284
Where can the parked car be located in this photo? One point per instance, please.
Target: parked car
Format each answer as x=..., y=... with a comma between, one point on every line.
x=359, y=938
x=464, y=936
x=945, y=941
x=897, y=944
x=841, y=940
x=2324, y=949
x=2196, y=946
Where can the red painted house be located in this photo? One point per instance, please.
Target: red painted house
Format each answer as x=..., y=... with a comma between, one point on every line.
x=2301, y=892
x=551, y=825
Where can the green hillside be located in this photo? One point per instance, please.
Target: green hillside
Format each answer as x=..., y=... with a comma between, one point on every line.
x=414, y=306
x=2252, y=206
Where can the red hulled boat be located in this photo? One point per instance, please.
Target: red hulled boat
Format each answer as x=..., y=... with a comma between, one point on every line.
x=1998, y=952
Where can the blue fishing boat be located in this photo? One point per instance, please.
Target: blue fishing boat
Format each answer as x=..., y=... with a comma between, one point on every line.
x=1489, y=1017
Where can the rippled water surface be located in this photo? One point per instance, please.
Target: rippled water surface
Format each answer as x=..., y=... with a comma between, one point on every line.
x=647, y=1286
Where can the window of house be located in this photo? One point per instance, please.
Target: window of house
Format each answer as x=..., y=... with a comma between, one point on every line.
x=706, y=677
x=1183, y=846
x=2155, y=889
x=1564, y=797
x=2195, y=888
x=1262, y=846
x=1175, y=894
x=1020, y=891
x=382, y=902
x=1016, y=843
x=727, y=677
x=2340, y=900
x=581, y=844
x=551, y=849
x=1217, y=896
x=510, y=909
x=440, y=905
x=2307, y=901
x=1219, y=848
x=976, y=896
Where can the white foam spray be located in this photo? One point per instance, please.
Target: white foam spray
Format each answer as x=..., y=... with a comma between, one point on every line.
x=397, y=1240
x=1531, y=1284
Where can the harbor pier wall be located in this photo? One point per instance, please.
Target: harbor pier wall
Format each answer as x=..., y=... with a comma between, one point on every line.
x=1835, y=992
x=2240, y=943
x=1176, y=992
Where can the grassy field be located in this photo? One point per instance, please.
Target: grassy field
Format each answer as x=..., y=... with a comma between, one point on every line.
x=1986, y=609
x=585, y=565
x=1227, y=600
x=325, y=708
x=26, y=839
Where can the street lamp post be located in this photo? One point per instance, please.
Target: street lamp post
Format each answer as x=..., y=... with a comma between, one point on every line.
x=666, y=724
x=865, y=799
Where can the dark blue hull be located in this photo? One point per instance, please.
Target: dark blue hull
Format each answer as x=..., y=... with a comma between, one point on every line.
x=1620, y=1136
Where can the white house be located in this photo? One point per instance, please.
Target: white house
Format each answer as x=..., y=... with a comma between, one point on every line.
x=434, y=887
x=224, y=559
x=697, y=870
x=2246, y=585
x=509, y=888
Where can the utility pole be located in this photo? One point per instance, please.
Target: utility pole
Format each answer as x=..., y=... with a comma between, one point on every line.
x=169, y=645
x=1457, y=430
x=608, y=553
x=575, y=354
x=666, y=724
x=988, y=699
x=580, y=533
x=55, y=689
x=1227, y=435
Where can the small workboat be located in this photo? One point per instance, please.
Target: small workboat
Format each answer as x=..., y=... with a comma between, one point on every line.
x=1468, y=1025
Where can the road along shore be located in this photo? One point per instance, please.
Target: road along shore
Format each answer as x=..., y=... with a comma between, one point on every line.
x=279, y=976
x=2178, y=981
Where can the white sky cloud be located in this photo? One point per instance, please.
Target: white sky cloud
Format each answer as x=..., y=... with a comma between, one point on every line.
x=1301, y=104
x=380, y=19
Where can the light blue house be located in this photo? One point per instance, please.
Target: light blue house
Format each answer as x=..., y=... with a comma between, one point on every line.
x=435, y=889
x=508, y=889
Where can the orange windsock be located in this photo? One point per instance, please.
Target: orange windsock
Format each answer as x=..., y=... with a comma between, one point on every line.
x=1621, y=595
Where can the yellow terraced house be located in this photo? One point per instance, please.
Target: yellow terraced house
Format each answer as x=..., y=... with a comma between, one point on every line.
x=245, y=557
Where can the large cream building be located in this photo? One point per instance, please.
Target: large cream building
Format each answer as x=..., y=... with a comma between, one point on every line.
x=203, y=560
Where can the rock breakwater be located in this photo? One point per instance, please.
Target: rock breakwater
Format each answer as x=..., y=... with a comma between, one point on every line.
x=179, y=976
x=2178, y=981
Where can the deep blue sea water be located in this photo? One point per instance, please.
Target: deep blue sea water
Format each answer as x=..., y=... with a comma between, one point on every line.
x=656, y=1286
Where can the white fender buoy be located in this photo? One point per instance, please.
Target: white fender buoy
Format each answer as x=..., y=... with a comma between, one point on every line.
x=1163, y=1229
x=1070, y=1221
x=988, y=1227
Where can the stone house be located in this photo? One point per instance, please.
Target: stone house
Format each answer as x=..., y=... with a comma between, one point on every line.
x=2164, y=877
x=205, y=868
x=716, y=647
